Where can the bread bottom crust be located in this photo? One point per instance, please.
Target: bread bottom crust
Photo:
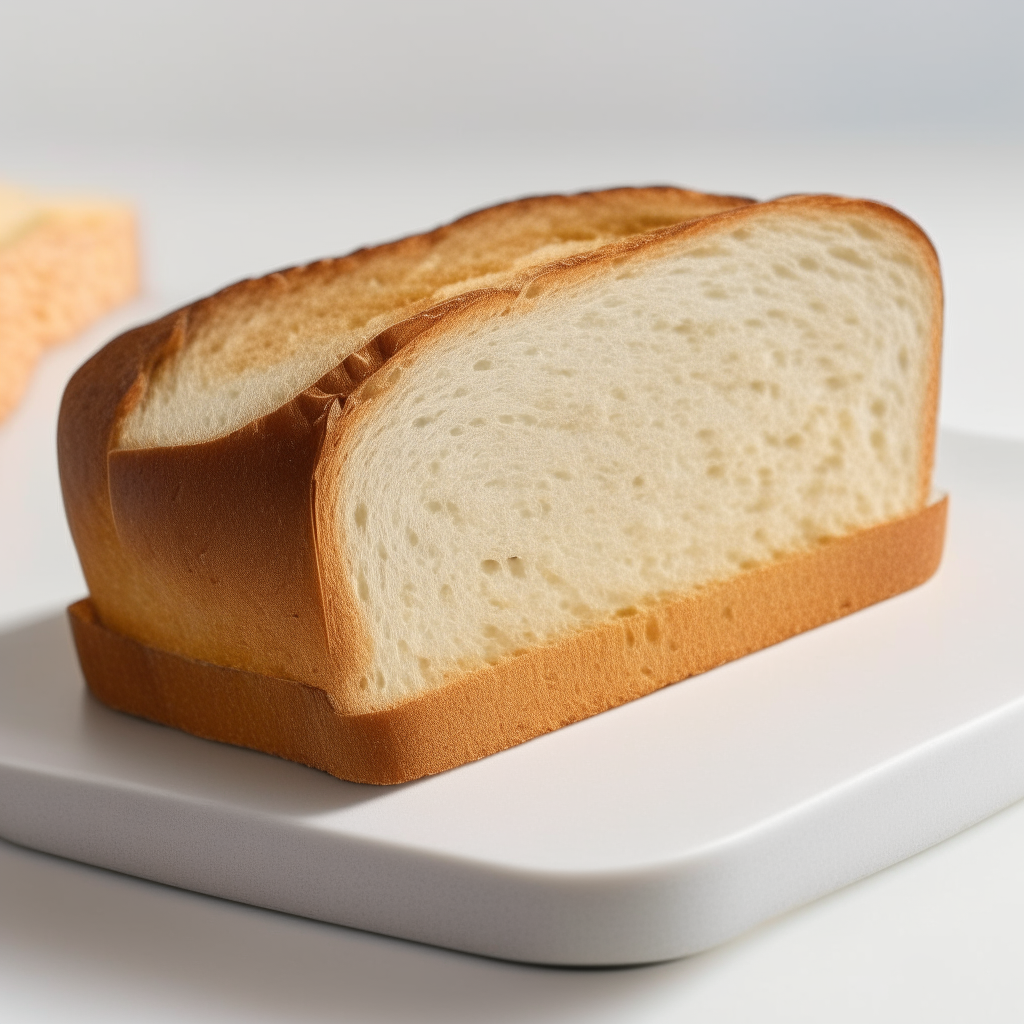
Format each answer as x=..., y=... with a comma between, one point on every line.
x=526, y=694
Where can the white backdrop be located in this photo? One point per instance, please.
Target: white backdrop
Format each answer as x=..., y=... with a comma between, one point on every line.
x=254, y=135
x=439, y=71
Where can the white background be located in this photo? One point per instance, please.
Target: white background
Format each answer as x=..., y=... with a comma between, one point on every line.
x=258, y=134
x=254, y=135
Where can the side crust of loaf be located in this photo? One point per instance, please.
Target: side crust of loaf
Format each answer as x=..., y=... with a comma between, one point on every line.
x=521, y=697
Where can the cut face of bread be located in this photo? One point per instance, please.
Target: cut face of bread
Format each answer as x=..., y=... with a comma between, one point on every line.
x=63, y=263
x=532, y=500
x=672, y=420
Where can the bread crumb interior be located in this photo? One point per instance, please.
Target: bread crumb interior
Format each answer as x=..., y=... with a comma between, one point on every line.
x=666, y=425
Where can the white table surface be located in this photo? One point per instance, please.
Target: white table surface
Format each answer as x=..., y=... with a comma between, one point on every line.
x=938, y=937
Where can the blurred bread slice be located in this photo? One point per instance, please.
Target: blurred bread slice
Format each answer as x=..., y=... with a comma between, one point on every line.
x=63, y=264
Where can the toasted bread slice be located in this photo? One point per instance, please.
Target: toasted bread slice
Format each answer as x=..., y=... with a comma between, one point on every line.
x=63, y=264
x=391, y=513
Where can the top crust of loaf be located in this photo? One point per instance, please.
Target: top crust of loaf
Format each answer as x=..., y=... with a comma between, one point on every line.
x=250, y=348
x=219, y=545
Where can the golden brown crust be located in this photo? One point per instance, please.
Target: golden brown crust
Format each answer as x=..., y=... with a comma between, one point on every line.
x=191, y=515
x=368, y=291
x=522, y=697
x=219, y=562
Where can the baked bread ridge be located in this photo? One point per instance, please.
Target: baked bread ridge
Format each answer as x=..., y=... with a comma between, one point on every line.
x=520, y=698
x=199, y=566
x=63, y=264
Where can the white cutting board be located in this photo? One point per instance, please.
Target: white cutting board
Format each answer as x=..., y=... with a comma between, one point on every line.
x=651, y=831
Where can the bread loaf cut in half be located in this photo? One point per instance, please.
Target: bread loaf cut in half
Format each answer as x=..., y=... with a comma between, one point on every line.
x=63, y=264
x=394, y=512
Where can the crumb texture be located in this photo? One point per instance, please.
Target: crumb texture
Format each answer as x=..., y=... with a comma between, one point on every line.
x=669, y=423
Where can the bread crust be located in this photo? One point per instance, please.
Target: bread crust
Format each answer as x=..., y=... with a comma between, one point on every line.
x=521, y=697
x=216, y=567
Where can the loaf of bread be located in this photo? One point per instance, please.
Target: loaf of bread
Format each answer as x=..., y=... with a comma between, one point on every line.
x=63, y=264
x=390, y=513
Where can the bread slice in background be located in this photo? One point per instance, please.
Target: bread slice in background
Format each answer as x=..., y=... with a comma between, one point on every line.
x=63, y=264
x=393, y=512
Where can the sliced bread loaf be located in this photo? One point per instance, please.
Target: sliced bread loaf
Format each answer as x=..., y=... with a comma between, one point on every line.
x=391, y=513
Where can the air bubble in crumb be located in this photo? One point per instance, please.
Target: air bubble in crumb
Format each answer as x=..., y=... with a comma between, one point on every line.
x=361, y=516
x=489, y=566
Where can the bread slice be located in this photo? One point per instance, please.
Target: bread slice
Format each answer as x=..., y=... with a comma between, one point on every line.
x=390, y=513
x=63, y=264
